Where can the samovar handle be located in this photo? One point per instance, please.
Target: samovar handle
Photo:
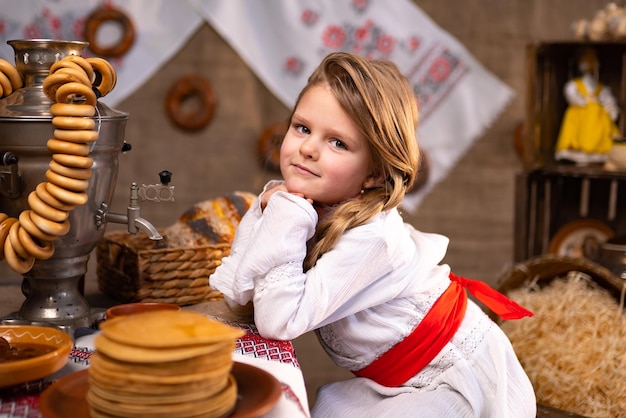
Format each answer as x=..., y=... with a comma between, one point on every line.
x=10, y=181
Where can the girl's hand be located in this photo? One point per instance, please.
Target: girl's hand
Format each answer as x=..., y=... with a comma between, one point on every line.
x=268, y=193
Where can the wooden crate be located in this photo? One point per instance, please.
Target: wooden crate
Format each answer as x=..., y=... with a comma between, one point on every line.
x=549, y=67
x=553, y=199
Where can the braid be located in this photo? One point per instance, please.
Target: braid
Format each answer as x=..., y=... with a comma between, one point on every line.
x=349, y=214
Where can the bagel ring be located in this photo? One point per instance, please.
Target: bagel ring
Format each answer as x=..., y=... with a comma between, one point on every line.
x=17, y=264
x=31, y=228
x=5, y=85
x=66, y=196
x=187, y=88
x=75, y=161
x=268, y=145
x=50, y=227
x=97, y=18
x=66, y=64
x=44, y=194
x=42, y=251
x=76, y=136
x=15, y=241
x=64, y=147
x=71, y=172
x=68, y=183
x=106, y=77
x=5, y=226
x=55, y=81
x=73, y=61
x=69, y=92
x=76, y=73
x=77, y=110
x=73, y=123
x=43, y=209
x=9, y=69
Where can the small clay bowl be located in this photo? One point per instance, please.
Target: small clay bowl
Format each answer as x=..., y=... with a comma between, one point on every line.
x=55, y=343
x=139, y=307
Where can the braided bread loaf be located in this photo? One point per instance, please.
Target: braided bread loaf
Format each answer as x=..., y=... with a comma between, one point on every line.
x=212, y=221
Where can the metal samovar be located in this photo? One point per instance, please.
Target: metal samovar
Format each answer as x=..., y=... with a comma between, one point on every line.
x=52, y=287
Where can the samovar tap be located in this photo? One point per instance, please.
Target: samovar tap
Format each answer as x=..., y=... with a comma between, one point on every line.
x=132, y=218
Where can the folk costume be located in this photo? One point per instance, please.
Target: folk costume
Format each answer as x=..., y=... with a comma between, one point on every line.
x=371, y=300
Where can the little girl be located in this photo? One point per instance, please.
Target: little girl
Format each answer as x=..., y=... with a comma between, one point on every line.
x=326, y=249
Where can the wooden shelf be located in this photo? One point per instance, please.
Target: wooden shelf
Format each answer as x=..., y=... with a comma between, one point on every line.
x=550, y=195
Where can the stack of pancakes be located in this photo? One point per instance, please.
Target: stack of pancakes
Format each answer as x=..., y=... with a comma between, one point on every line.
x=173, y=364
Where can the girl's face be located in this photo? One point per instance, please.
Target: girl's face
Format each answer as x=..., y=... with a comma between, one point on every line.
x=324, y=156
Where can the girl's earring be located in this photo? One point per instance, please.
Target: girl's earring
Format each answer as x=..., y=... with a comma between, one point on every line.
x=362, y=191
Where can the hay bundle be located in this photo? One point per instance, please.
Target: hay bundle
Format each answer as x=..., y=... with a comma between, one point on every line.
x=574, y=348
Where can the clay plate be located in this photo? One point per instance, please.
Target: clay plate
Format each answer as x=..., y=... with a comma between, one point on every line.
x=139, y=307
x=21, y=371
x=257, y=393
x=568, y=241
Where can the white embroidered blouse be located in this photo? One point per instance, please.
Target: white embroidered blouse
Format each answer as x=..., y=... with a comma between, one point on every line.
x=362, y=297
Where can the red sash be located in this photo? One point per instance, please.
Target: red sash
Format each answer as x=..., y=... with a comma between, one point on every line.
x=405, y=359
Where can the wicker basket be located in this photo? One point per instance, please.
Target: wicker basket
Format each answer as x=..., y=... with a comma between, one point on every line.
x=131, y=269
x=546, y=267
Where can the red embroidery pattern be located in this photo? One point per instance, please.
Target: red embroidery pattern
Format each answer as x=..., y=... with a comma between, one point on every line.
x=253, y=344
x=294, y=66
x=433, y=77
x=309, y=17
x=21, y=406
x=81, y=355
x=47, y=25
x=432, y=83
x=360, y=5
x=289, y=394
x=368, y=40
x=334, y=37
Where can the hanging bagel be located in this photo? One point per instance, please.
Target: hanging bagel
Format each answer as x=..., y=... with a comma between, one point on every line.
x=268, y=145
x=109, y=14
x=71, y=85
x=190, y=102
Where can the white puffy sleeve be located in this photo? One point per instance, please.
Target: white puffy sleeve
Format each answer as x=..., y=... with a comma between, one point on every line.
x=279, y=239
x=607, y=100
x=573, y=96
x=224, y=279
x=349, y=278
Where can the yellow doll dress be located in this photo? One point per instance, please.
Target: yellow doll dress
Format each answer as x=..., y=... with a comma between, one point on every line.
x=587, y=128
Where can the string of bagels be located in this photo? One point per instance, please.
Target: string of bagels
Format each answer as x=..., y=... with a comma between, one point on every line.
x=74, y=84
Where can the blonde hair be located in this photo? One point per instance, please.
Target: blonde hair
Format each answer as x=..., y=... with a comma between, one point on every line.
x=379, y=99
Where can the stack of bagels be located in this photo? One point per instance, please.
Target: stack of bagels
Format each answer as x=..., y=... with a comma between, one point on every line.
x=174, y=364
